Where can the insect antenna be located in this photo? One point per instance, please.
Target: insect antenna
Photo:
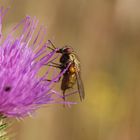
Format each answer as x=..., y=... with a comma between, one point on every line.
x=53, y=46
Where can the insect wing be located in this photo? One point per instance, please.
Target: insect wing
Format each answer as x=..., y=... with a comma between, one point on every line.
x=80, y=86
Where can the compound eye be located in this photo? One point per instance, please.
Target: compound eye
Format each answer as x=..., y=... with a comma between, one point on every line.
x=69, y=50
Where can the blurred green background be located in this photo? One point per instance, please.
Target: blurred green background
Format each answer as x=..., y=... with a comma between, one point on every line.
x=106, y=36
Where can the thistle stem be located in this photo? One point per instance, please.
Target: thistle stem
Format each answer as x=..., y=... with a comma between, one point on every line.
x=3, y=128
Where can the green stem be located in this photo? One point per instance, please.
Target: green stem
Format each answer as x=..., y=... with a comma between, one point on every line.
x=3, y=128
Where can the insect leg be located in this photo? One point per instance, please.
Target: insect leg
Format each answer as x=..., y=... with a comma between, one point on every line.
x=56, y=66
x=55, y=63
x=64, y=98
x=56, y=81
x=51, y=80
x=64, y=95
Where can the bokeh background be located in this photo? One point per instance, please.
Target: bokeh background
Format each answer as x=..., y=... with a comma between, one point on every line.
x=106, y=36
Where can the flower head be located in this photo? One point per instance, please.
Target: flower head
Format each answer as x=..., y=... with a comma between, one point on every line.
x=22, y=57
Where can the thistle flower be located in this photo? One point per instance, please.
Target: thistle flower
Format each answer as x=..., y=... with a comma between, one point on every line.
x=22, y=91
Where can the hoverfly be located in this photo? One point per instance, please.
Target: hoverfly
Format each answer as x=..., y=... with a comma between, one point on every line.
x=72, y=75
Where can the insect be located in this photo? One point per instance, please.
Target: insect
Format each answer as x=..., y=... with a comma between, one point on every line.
x=72, y=74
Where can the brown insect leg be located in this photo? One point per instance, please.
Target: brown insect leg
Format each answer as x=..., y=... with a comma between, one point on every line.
x=54, y=81
x=64, y=95
x=64, y=105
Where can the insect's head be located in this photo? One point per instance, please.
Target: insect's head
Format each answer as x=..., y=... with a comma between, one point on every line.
x=65, y=50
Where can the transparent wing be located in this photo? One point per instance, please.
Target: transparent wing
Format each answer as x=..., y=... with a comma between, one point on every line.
x=80, y=86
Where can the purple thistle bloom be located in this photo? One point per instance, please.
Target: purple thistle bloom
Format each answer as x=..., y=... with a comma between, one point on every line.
x=22, y=90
